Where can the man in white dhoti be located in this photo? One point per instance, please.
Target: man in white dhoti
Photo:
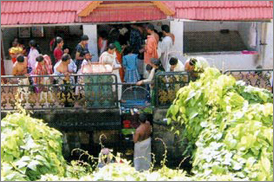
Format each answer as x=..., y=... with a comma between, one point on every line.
x=109, y=57
x=142, y=147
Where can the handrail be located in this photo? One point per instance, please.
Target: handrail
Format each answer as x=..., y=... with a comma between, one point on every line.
x=247, y=70
x=49, y=95
x=254, y=77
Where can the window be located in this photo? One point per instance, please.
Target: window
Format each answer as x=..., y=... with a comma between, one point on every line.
x=201, y=37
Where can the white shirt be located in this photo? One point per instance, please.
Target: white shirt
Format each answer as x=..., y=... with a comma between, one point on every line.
x=33, y=54
x=150, y=77
x=110, y=59
x=165, y=45
x=179, y=67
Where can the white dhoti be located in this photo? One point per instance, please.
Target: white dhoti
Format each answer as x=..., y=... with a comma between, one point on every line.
x=23, y=90
x=116, y=72
x=142, y=155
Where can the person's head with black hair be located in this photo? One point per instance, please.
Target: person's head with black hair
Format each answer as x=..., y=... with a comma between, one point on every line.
x=15, y=43
x=148, y=67
x=114, y=36
x=173, y=62
x=128, y=50
x=111, y=48
x=150, y=28
x=20, y=58
x=59, y=42
x=103, y=34
x=142, y=118
x=87, y=55
x=165, y=29
x=32, y=43
x=192, y=61
x=156, y=63
x=161, y=35
x=66, y=58
x=190, y=64
x=84, y=40
x=40, y=59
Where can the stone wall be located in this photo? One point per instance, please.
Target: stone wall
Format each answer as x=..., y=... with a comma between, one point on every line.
x=173, y=142
x=88, y=135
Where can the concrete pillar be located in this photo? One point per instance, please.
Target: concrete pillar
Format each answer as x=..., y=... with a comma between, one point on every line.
x=177, y=28
x=91, y=32
x=268, y=53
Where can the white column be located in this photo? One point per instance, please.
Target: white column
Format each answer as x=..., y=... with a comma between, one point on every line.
x=268, y=57
x=177, y=28
x=91, y=32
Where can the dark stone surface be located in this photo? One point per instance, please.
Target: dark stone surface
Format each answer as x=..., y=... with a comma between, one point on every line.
x=79, y=120
x=95, y=122
x=172, y=142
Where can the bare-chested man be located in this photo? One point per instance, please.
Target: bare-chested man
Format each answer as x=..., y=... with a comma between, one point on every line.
x=20, y=67
x=64, y=67
x=142, y=147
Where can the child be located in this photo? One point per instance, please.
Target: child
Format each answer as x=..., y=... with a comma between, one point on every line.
x=130, y=63
x=88, y=58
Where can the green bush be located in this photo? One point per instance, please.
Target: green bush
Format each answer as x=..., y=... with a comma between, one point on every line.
x=228, y=127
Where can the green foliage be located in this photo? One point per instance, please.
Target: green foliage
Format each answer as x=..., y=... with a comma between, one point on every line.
x=29, y=148
x=228, y=127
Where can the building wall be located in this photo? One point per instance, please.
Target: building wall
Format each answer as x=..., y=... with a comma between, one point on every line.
x=177, y=28
x=244, y=31
x=209, y=26
x=91, y=32
x=221, y=60
x=225, y=61
x=233, y=60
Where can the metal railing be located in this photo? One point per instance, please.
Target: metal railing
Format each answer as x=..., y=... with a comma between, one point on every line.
x=166, y=86
x=90, y=91
x=257, y=77
x=100, y=91
x=59, y=92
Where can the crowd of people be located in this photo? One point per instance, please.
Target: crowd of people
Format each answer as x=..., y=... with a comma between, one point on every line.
x=135, y=55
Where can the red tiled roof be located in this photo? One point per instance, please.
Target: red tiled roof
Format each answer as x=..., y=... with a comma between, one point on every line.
x=64, y=12
x=222, y=10
x=115, y=15
x=122, y=14
x=39, y=12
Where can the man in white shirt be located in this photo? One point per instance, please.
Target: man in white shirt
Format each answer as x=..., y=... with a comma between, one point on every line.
x=165, y=47
x=176, y=65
